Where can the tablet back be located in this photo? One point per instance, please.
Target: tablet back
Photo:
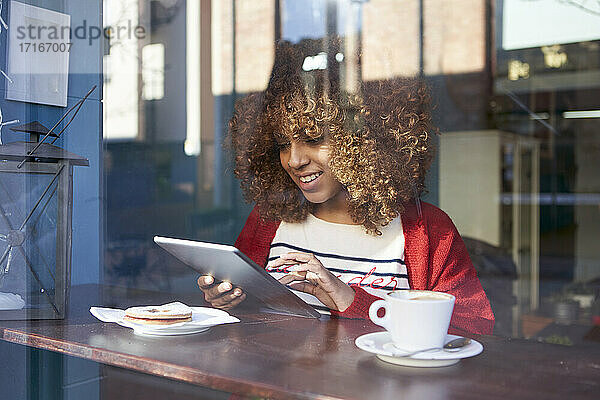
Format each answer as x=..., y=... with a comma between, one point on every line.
x=226, y=263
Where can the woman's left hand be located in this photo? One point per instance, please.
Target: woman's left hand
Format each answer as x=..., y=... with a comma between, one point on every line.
x=310, y=276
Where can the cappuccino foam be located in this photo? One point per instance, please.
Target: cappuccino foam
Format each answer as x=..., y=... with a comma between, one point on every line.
x=427, y=297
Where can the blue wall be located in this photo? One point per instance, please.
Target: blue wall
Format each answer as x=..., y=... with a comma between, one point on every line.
x=72, y=378
x=83, y=137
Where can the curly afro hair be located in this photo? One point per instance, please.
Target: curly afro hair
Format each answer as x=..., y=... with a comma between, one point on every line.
x=379, y=137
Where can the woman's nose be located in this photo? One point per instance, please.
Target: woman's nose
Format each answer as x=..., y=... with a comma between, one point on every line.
x=298, y=156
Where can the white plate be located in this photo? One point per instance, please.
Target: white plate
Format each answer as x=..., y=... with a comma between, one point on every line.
x=188, y=331
x=202, y=319
x=380, y=343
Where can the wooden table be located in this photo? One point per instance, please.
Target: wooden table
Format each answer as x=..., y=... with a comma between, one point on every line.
x=279, y=356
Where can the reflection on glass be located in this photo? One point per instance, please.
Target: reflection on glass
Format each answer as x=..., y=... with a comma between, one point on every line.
x=153, y=71
x=516, y=160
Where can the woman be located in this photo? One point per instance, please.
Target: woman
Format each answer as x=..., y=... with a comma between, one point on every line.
x=336, y=179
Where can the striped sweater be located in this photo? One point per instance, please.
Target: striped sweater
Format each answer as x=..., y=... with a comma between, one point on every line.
x=375, y=263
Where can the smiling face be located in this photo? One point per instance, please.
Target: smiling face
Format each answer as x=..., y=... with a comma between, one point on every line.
x=307, y=163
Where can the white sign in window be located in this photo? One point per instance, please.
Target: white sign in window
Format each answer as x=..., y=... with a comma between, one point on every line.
x=38, y=55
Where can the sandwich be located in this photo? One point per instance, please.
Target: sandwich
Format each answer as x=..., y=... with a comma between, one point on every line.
x=167, y=314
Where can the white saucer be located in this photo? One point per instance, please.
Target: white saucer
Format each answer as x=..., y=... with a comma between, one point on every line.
x=203, y=318
x=380, y=343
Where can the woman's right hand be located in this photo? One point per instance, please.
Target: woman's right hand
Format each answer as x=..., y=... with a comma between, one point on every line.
x=222, y=295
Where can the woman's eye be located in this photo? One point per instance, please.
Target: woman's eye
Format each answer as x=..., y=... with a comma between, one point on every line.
x=283, y=145
x=313, y=141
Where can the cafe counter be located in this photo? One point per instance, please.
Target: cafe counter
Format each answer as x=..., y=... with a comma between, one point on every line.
x=278, y=356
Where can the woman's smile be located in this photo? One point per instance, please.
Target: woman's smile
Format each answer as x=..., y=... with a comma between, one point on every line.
x=308, y=181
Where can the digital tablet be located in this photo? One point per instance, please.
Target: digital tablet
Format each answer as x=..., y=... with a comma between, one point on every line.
x=226, y=263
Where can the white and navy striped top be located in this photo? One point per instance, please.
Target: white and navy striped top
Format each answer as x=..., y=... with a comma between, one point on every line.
x=375, y=263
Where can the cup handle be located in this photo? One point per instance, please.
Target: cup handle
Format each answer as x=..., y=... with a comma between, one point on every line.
x=375, y=307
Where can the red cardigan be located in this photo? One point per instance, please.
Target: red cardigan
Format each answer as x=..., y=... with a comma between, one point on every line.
x=435, y=257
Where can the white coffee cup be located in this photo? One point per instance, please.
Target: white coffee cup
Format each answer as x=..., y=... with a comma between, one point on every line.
x=415, y=319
